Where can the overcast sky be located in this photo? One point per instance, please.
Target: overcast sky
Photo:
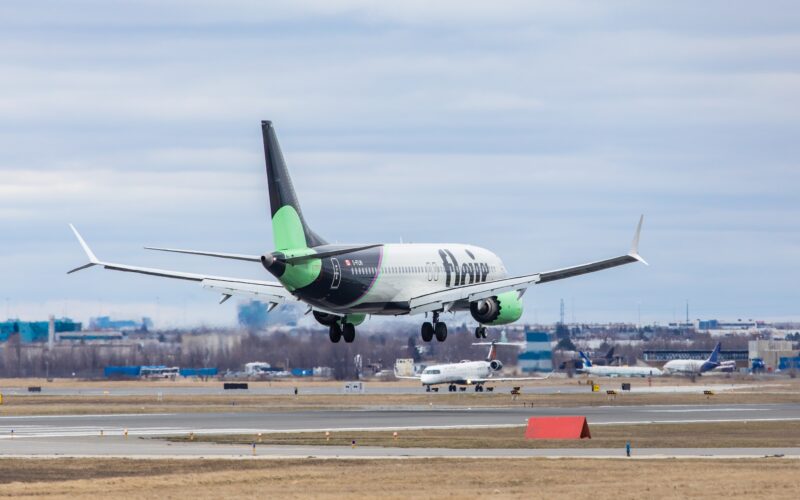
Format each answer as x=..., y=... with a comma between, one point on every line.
x=540, y=130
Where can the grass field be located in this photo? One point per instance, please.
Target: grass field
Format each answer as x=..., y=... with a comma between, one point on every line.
x=18, y=402
x=398, y=478
x=290, y=383
x=693, y=435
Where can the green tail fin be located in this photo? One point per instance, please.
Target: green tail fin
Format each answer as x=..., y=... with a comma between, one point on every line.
x=289, y=228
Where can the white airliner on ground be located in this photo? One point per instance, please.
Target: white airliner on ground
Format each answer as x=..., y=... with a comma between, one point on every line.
x=474, y=373
x=342, y=284
x=694, y=367
x=617, y=371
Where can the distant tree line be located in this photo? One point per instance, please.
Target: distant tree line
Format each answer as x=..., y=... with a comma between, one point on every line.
x=231, y=349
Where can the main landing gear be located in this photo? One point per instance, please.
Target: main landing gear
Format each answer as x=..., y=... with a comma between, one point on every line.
x=436, y=328
x=346, y=331
x=480, y=332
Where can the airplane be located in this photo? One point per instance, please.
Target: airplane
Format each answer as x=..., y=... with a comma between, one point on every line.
x=467, y=372
x=343, y=284
x=694, y=367
x=617, y=371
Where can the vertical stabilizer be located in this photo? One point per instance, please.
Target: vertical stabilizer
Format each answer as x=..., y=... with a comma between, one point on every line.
x=713, y=360
x=492, y=353
x=587, y=363
x=289, y=228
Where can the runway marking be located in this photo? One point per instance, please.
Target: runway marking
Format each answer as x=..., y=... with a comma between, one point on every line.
x=697, y=421
x=99, y=415
x=689, y=410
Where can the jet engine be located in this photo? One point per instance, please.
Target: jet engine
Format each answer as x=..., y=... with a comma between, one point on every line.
x=496, y=365
x=500, y=309
x=485, y=310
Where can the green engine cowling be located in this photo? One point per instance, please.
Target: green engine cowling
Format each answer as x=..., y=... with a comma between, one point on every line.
x=501, y=309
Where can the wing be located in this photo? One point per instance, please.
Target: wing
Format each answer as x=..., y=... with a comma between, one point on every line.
x=403, y=377
x=267, y=290
x=506, y=379
x=445, y=299
x=510, y=379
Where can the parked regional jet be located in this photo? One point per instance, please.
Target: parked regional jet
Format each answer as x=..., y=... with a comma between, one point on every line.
x=474, y=373
x=342, y=284
x=617, y=371
x=694, y=367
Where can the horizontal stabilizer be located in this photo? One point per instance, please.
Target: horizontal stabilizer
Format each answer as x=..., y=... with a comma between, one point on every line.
x=333, y=253
x=234, y=256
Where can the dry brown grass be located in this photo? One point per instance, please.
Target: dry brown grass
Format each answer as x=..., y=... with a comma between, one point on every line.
x=694, y=435
x=289, y=383
x=778, y=391
x=399, y=478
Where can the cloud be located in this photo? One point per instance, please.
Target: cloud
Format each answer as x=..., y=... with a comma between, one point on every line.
x=538, y=129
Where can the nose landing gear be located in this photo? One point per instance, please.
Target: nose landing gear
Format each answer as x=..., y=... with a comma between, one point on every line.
x=480, y=332
x=435, y=328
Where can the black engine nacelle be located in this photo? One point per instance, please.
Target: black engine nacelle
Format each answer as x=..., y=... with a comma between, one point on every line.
x=325, y=318
x=485, y=310
x=496, y=365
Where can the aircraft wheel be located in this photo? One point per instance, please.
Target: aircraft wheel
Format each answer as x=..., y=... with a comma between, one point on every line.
x=480, y=332
x=335, y=332
x=427, y=331
x=478, y=388
x=451, y=388
x=349, y=332
x=441, y=331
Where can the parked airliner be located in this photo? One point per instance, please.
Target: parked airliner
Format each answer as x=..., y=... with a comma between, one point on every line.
x=694, y=367
x=342, y=284
x=617, y=371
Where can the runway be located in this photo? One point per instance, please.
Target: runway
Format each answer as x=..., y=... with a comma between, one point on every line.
x=161, y=424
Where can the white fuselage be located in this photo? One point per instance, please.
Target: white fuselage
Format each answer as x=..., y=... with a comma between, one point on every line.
x=622, y=371
x=456, y=373
x=684, y=366
x=408, y=270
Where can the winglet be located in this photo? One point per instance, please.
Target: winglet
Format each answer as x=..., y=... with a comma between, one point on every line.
x=93, y=260
x=635, y=243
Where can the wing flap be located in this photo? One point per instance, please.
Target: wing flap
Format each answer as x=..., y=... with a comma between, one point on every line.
x=271, y=292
